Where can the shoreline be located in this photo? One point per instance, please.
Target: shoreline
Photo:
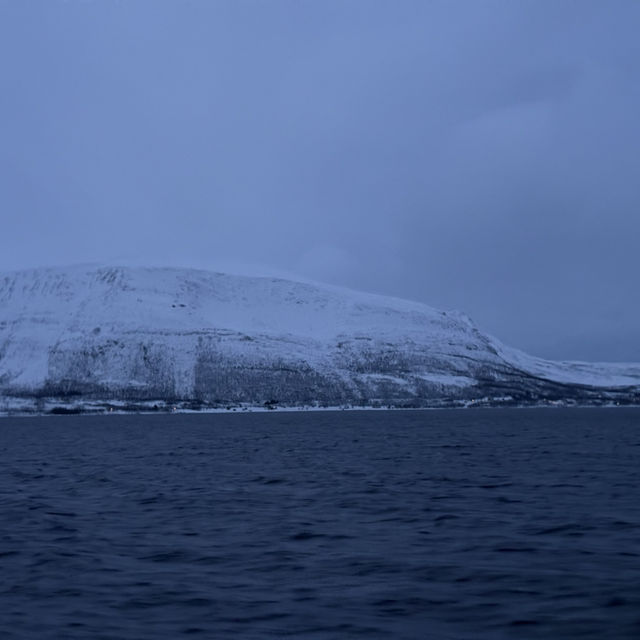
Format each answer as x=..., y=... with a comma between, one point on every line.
x=107, y=409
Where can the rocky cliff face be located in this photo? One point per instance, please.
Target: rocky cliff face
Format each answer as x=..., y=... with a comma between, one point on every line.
x=105, y=334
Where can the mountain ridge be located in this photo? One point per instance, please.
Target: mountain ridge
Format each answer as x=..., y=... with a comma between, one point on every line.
x=107, y=334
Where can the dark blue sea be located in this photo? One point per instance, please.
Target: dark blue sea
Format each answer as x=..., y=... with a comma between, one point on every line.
x=470, y=524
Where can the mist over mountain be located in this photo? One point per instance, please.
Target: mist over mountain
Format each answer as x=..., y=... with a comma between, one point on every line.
x=103, y=336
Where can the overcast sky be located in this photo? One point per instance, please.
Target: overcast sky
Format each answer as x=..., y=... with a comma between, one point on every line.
x=476, y=155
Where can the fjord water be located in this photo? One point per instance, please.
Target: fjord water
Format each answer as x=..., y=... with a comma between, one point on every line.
x=402, y=524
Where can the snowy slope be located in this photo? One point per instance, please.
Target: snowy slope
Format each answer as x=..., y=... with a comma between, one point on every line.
x=134, y=333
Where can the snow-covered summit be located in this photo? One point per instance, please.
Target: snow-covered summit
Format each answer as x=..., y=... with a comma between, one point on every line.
x=150, y=296
x=140, y=333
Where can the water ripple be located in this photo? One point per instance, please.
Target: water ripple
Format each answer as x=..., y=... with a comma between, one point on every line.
x=453, y=525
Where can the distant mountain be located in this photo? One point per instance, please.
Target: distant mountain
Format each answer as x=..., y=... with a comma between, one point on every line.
x=107, y=336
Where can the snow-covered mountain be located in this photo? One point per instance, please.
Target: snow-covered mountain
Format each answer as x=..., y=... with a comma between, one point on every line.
x=106, y=334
